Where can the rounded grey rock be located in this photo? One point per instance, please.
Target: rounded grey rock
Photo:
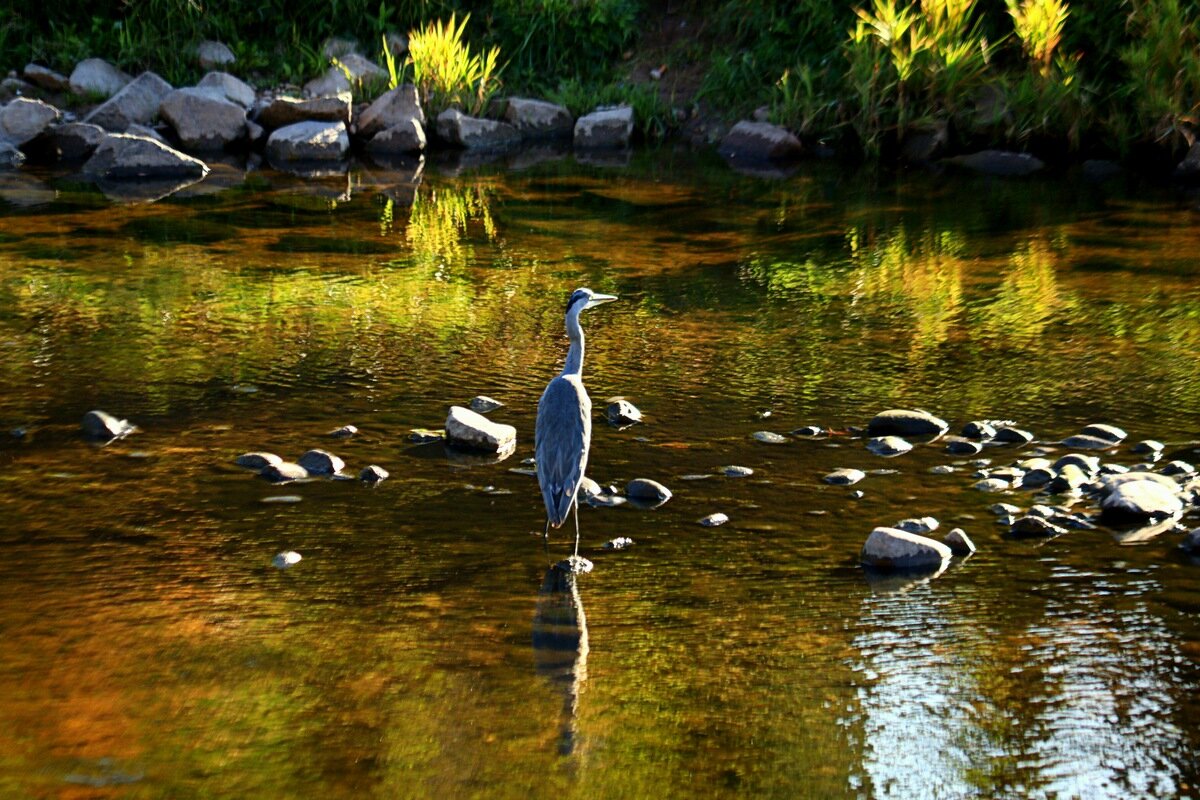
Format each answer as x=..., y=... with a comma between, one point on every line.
x=888, y=446
x=1090, y=465
x=467, y=429
x=714, y=520
x=257, y=460
x=1069, y=478
x=959, y=543
x=344, y=432
x=1085, y=442
x=1001, y=509
x=482, y=404
x=321, y=462
x=286, y=559
x=283, y=472
x=768, y=437
x=1110, y=433
x=1178, y=468
x=734, y=471
x=588, y=488
x=646, y=489
x=891, y=548
x=962, y=447
x=1140, y=500
x=920, y=525
x=1010, y=435
x=992, y=485
x=943, y=469
x=622, y=412
x=1151, y=447
x=902, y=422
x=373, y=474
x=844, y=477
x=1030, y=526
x=979, y=430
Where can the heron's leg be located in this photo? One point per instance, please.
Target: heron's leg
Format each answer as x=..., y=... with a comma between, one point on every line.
x=546, y=538
x=576, y=505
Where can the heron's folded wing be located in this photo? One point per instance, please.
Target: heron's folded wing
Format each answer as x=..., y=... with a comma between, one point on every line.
x=562, y=436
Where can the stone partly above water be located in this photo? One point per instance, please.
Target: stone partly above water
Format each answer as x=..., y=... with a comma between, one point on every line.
x=714, y=520
x=102, y=425
x=123, y=157
x=283, y=472
x=373, y=474
x=257, y=460
x=959, y=543
x=623, y=412
x=844, y=477
x=474, y=133
x=891, y=548
x=888, y=446
x=309, y=142
x=760, y=141
x=904, y=422
x=321, y=462
x=472, y=431
x=735, y=471
x=287, y=559
x=647, y=490
x=604, y=129
x=1139, y=501
x=1000, y=163
x=769, y=437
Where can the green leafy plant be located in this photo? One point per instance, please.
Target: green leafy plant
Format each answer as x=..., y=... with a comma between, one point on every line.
x=1162, y=87
x=1039, y=27
x=652, y=116
x=445, y=71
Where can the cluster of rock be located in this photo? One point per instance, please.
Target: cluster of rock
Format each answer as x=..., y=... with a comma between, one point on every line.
x=146, y=129
x=315, y=463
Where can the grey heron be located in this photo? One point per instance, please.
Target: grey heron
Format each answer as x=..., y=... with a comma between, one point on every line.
x=564, y=424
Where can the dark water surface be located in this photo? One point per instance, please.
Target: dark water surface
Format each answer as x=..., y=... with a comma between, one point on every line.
x=149, y=648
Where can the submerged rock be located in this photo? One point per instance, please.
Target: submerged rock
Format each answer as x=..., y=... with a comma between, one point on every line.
x=482, y=404
x=373, y=474
x=959, y=543
x=714, y=520
x=1000, y=163
x=920, y=525
x=472, y=431
x=102, y=425
x=888, y=446
x=808, y=431
x=344, y=432
x=993, y=485
x=734, y=471
x=1084, y=442
x=321, y=462
x=257, y=460
x=622, y=412
x=1033, y=526
x=1010, y=435
x=907, y=423
x=891, y=548
x=844, y=476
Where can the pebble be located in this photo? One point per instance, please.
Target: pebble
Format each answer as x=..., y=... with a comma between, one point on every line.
x=713, y=520
x=1109, y=433
x=767, y=437
x=844, y=477
x=623, y=412
x=482, y=404
x=1009, y=435
x=734, y=471
x=888, y=446
x=978, y=430
x=102, y=425
x=1150, y=447
x=962, y=447
x=283, y=472
x=619, y=543
x=809, y=430
x=1177, y=468
x=646, y=489
x=1035, y=526
x=992, y=485
x=286, y=559
x=915, y=525
x=321, y=462
x=344, y=432
x=257, y=460
x=943, y=469
x=284, y=499
x=959, y=543
x=1084, y=442
x=606, y=500
x=373, y=474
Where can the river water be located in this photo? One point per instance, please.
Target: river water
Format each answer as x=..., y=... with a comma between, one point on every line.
x=150, y=648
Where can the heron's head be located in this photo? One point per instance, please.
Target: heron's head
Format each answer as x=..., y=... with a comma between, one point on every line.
x=582, y=299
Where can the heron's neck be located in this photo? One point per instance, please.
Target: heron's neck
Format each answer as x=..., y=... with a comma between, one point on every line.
x=574, y=365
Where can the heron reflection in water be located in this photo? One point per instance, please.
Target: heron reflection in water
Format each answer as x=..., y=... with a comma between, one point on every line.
x=560, y=644
x=563, y=433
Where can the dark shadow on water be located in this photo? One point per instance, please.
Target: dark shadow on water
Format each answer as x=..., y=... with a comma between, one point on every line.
x=560, y=646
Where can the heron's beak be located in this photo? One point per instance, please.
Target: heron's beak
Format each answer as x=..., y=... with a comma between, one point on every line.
x=598, y=299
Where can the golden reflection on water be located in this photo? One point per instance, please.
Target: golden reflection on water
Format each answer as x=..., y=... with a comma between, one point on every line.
x=151, y=649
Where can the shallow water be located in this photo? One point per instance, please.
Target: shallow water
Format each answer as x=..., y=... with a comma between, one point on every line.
x=151, y=649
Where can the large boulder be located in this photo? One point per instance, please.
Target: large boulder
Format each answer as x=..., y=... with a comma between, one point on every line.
x=226, y=86
x=390, y=109
x=760, y=141
x=1000, y=163
x=1141, y=500
x=283, y=111
x=474, y=133
x=46, y=78
x=892, y=548
x=538, y=119
x=95, y=76
x=604, y=129
x=309, y=141
x=908, y=423
x=136, y=104
x=213, y=55
x=76, y=140
x=203, y=120
x=471, y=431
x=124, y=157
x=404, y=137
x=23, y=120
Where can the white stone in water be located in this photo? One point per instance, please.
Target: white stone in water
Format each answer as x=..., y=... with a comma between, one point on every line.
x=1148, y=447
x=1141, y=499
x=646, y=489
x=921, y=525
x=321, y=462
x=959, y=543
x=734, y=471
x=482, y=404
x=1000, y=509
x=1085, y=442
x=587, y=488
x=344, y=432
x=283, y=499
x=257, y=460
x=1103, y=431
x=623, y=412
x=619, y=543
x=286, y=559
x=373, y=474
x=888, y=446
x=283, y=472
x=467, y=429
x=102, y=425
x=769, y=437
x=904, y=422
x=992, y=485
x=714, y=520
x=896, y=549
x=844, y=477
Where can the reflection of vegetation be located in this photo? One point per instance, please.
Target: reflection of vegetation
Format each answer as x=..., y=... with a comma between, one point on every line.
x=1028, y=298
x=441, y=220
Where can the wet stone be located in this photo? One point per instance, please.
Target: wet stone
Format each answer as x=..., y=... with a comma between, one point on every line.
x=978, y=430
x=1084, y=442
x=257, y=460
x=321, y=462
x=1150, y=447
x=283, y=472
x=622, y=412
x=959, y=543
x=943, y=469
x=1029, y=526
x=767, y=437
x=714, y=520
x=282, y=499
x=890, y=548
x=344, y=432
x=1069, y=478
x=588, y=488
x=1140, y=500
x=918, y=525
x=1191, y=542
x=888, y=446
x=425, y=436
x=606, y=500
x=1113, y=469
x=466, y=428
x=1000, y=509
x=1036, y=478
x=902, y=422
x=102, y=425
x=373, y=474
x=1009, y=435
x=286, y=559
x=992, y=485
x=962, y=447
x=482, y=404
x=844, y=477
x=1109, y=433
x=619, y=543
x=737, y=472
x=646, y=489
x=1178, y=468
x=1089, y=465
x=809, y=430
